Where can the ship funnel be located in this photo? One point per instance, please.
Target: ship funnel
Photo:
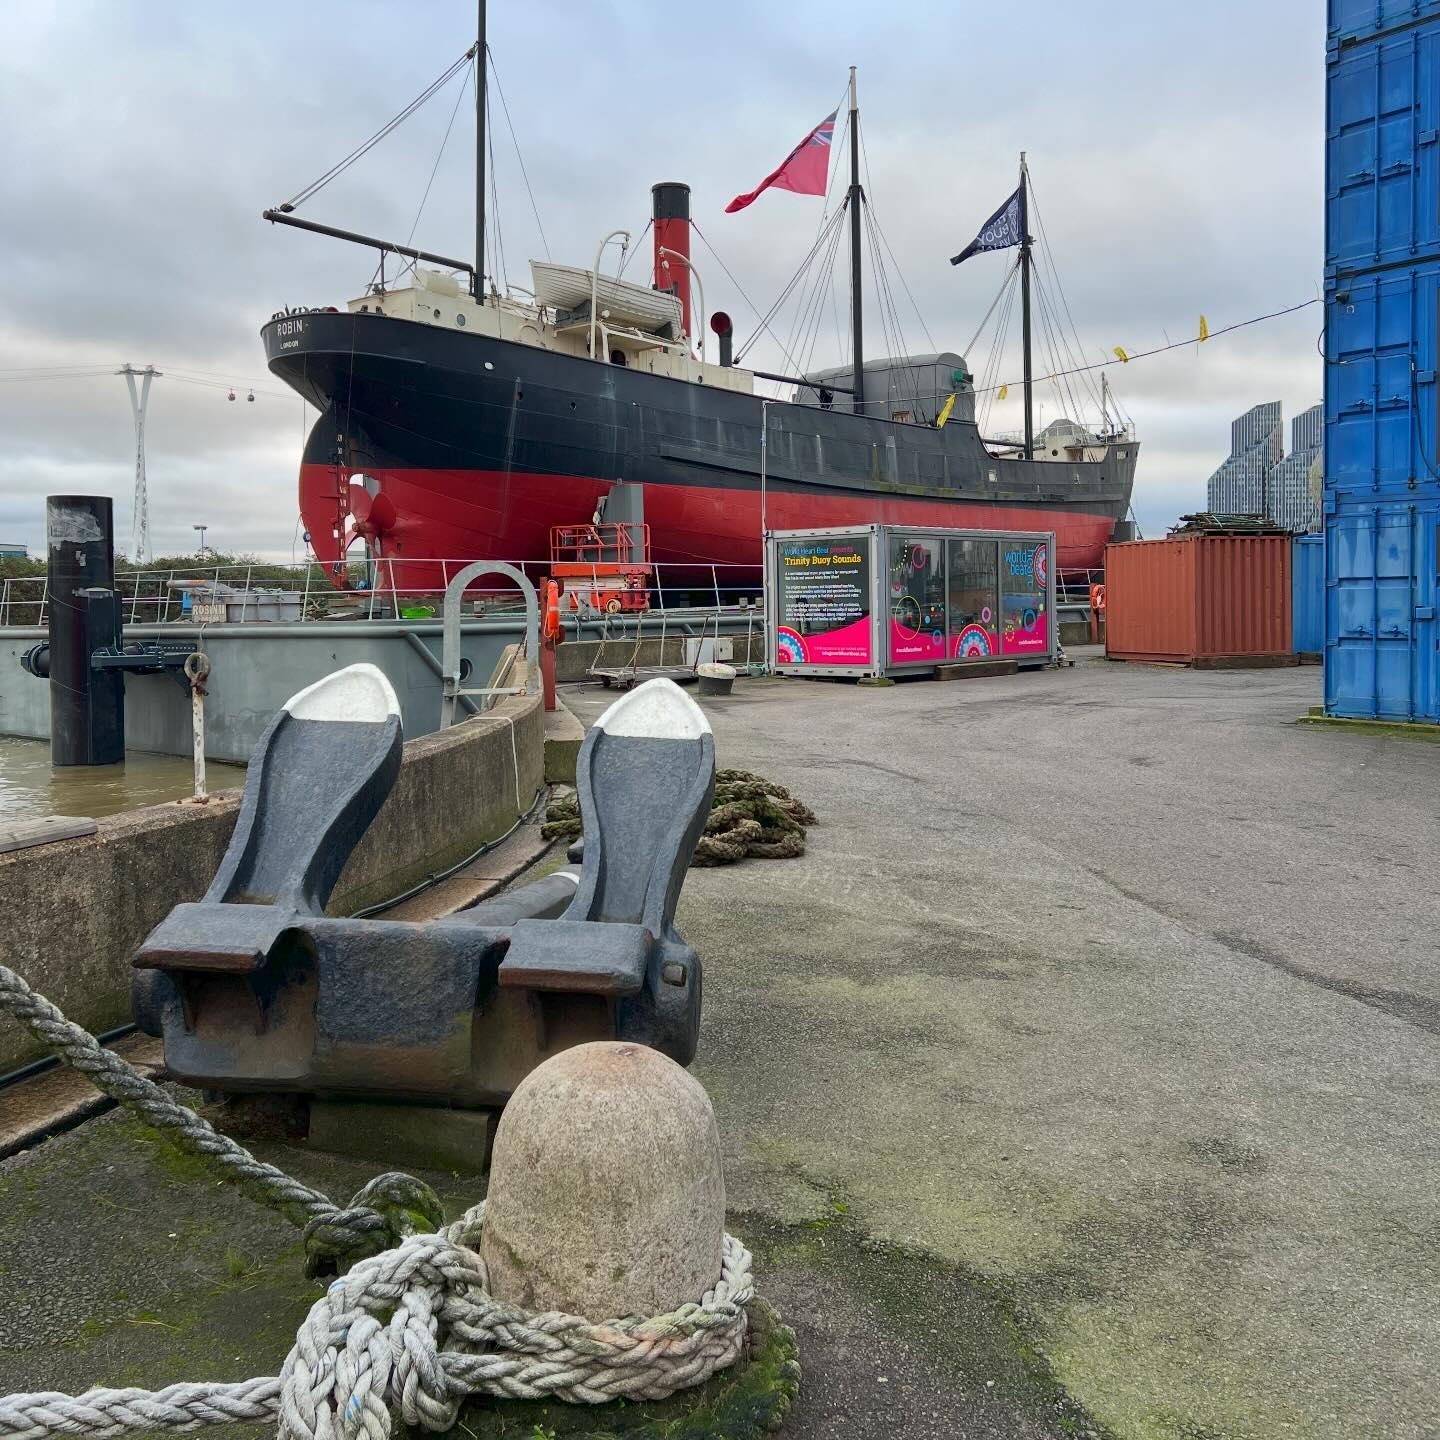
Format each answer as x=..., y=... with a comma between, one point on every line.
x=671, y=212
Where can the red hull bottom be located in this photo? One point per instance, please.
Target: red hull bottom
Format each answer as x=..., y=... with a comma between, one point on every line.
x=478, y=515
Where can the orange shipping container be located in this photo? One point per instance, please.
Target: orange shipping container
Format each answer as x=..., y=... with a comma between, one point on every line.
x=1199, y=598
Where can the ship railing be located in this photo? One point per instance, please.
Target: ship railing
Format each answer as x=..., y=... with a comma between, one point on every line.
x=1072, y=587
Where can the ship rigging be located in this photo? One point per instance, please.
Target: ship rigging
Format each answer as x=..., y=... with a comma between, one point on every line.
x=464, y=420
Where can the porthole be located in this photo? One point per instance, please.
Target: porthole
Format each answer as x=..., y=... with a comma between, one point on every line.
x=489, y=365
x=459, y=319
x=437, y=314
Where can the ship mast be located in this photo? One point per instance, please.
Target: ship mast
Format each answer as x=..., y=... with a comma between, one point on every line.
x=857, y=197
x=477, y=276
x=1025, y=308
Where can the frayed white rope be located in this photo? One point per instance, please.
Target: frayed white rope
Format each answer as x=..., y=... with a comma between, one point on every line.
x=413, y=1332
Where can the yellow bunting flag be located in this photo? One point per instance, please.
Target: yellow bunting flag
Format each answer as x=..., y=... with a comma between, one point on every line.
x=1204, y=329
x=1004, y=391
x=945, y=410
x=1121, y=355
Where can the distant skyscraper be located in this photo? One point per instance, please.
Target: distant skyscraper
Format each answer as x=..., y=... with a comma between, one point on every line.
x=1257, y=442
x=1292, y=495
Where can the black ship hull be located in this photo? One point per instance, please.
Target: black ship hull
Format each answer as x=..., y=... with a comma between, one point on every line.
x=473, y=447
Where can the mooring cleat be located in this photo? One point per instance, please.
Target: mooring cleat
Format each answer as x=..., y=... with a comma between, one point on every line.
x=255, y=988
x=319, y=775
x=645, y=776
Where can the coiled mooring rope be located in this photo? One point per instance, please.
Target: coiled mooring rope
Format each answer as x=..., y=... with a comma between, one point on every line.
x=749, y=816
x=411, y=1331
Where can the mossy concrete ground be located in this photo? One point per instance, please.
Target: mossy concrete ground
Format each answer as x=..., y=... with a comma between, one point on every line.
x=1079, y=1080
x=1400, y=729
x=124, y=1262
x=1114, y=992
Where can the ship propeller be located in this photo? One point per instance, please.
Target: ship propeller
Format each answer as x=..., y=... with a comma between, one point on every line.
x=372, y=513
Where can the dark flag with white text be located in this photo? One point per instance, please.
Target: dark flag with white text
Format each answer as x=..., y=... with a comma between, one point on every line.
x=1006, y=227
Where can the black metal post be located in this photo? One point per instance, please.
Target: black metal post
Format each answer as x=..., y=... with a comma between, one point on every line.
x=477, y=277
x=87, y=707
x=1025, y=310
x=856, y=200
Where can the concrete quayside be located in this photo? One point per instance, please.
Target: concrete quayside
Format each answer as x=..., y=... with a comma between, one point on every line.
x=1076, y=1080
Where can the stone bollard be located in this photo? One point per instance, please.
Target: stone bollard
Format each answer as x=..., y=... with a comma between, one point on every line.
x=606, y=1196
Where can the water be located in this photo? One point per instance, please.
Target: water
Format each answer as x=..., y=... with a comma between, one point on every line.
x=31, y=788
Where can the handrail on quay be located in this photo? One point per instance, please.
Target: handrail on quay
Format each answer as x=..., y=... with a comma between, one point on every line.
x=306, y=594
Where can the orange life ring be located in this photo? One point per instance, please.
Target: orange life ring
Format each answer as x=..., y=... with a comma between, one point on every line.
x=1097, y=599
x=550, y=621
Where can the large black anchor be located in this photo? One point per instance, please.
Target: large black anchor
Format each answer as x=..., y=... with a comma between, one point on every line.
x=255, y=988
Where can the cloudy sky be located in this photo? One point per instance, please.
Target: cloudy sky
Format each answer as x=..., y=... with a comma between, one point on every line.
x=1176, y=151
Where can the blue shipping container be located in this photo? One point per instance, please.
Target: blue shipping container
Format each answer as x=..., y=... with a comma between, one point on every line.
x=1352, y=20
x=1382, y=160
x=1380, y=602
x=1380, y=398
x=1307, y=609
x=1382, y=305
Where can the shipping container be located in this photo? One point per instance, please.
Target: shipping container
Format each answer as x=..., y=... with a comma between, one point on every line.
x=1382, y=305
x=1380, y=659
x=1382, y=160
x=869, y=600
x=1307, y=606
x=1352, y=21
x=1200, y=599
x=1380, y=396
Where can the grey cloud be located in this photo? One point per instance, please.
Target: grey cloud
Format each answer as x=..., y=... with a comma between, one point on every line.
x=1177, y=173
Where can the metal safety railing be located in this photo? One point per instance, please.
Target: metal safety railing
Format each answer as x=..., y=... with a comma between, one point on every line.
x=1073, y=587
x=414, y=589
x=383, y=589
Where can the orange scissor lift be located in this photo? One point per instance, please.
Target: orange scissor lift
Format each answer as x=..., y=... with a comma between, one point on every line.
x=598, y=567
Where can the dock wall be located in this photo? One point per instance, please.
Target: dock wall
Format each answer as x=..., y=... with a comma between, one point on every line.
x=76, y=910
x=254, y=669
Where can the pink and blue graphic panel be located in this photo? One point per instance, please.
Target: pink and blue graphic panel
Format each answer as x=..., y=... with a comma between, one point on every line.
x=823, y=602
x=1024, y=576
x=974, y=642
x=917, y=600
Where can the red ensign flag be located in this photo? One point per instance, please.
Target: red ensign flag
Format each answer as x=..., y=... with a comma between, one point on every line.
x=803, y=170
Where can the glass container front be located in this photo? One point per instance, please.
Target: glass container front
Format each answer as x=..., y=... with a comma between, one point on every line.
x=974, y=607
x=1024, y=572
x=917, y=599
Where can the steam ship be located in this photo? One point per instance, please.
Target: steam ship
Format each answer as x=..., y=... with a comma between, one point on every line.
x=463, y=423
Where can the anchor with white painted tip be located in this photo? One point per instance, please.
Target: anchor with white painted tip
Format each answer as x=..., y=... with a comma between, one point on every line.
x=254, y=988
